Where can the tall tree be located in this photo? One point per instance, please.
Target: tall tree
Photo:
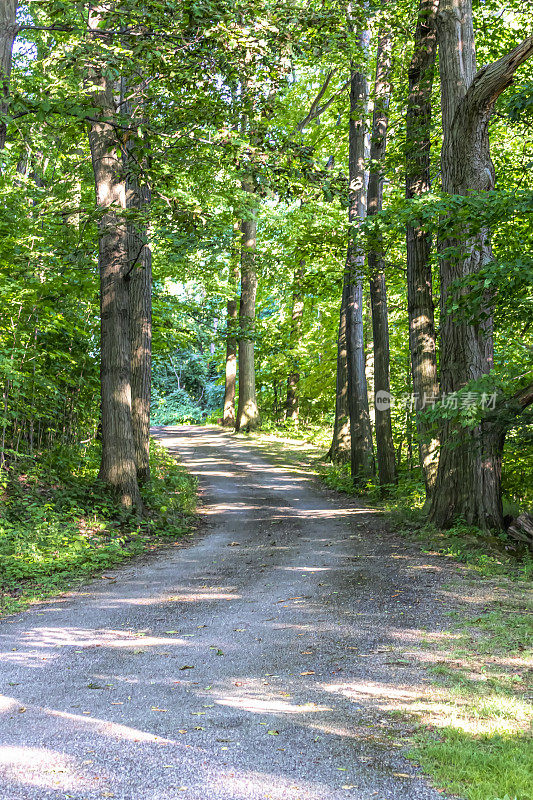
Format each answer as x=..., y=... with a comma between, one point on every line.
x=292, y=405
x=422, y=339
x=118, y=465
x=339, y=451
x=247, y=410
x=376, y=266
x=361, y=448
x=139, y=278
x=8, y=32
x=469, y=474
x=228, y=418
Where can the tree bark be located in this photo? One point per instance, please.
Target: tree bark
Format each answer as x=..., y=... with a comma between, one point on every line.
x=140, y=297
x=8, y=32
x=339, y=452
x=117, y=466
x=228, y=418
x=139, y=276
x=422, y=338
x=361, y=448
x=376, y=264
x=468, y=480
x=292, y=406
x=247, y=411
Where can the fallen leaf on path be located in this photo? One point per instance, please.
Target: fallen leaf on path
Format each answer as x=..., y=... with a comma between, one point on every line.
x=186, y=666
x=273, y=733
x=308, y=672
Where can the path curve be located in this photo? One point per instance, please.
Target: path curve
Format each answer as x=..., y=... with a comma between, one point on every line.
x=257, y=664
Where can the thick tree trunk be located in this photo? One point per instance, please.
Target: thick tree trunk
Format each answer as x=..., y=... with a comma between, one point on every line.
x=247, y=411
x=468, y=479
x=339, y=451
x=361, y=449
x=378, y=292
x=140, y=297
x=8, y=32
x=117, y=467
x=292, y=406
x=138, y=198
x=422, y=338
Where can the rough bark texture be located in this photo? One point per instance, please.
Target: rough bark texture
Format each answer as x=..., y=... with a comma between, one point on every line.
x=422, y=337
x=118, y=451
x=361, y=449
x=292, y=406
x=339, y=451
x=378, y=292
x=140, y=297
x=138, y=197
x=228, y=418
x=8, y=31
x=468, y=479
x=247, y=411
x=522, y=530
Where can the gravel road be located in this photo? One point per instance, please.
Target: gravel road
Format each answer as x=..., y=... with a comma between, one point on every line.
x=260, y=662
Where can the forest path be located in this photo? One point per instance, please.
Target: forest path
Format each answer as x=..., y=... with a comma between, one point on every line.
x=259, y=662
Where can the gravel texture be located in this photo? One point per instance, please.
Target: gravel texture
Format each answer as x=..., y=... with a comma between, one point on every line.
x=260, y=662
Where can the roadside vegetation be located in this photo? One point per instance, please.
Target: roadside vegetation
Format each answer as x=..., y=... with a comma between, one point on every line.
x=472, y=732
x=59, y=526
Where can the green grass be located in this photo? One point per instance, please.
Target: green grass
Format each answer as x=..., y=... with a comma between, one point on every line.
x=58, y=526
x=490, y=767
x=473, y=720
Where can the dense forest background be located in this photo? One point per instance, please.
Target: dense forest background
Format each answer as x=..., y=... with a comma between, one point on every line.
x=239, y=151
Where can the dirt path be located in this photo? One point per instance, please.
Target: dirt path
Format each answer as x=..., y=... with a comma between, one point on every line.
x=258, y=663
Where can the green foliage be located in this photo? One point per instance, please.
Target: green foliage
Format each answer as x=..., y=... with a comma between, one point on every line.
x=478, y=767
x=57, y=524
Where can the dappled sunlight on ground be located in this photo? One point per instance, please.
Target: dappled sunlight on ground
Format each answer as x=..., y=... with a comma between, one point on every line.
x=281, y=656
x=75, y=637
x=43, y=767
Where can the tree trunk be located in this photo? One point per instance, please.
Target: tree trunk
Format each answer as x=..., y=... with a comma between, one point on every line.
x=422, y=339
x=140, y=297
x=8, y=32
x=468, y=478
x=292, y=405
x=361, y=449
x=378, y=292
x=247, y=411
x=228, y=418
x=339, y=452
x=117, y=467
x=138, y=198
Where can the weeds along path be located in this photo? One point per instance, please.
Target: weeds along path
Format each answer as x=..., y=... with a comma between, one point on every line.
x=261, y=662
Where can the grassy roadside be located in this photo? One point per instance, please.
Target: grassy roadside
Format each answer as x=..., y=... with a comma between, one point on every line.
x=59, y=528
x=473, y=724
